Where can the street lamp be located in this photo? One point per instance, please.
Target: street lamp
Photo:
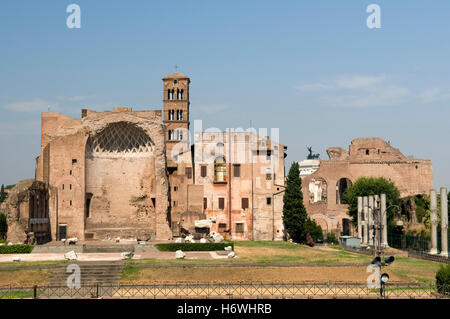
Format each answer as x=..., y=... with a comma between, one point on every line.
x=378, y=216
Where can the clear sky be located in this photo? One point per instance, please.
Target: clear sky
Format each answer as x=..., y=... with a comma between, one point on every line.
x=313, y=69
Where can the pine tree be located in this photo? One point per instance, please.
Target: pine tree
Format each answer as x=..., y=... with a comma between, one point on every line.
x=294, y=213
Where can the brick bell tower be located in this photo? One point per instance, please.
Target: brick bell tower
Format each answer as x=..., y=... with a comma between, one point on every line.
x=176, y=111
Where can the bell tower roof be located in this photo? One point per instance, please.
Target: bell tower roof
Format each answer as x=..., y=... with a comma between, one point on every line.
x=175, y=75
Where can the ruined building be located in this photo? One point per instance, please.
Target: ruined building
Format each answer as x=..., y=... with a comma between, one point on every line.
x=135, y=174
x=324, y=181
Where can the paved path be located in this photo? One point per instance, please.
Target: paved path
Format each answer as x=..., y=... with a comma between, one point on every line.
x=107, y=256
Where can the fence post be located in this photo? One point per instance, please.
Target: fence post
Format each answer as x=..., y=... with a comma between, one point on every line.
x=34, y=292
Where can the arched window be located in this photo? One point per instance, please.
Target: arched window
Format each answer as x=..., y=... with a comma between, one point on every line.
x=182, y=95
x=120, y=139
x=171, y=115
x=220, y=170
x=341, y=187
x=317, y=190
x=179, y=135
x=171, y=94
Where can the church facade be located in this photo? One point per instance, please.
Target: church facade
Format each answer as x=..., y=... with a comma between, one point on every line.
x=137, y=174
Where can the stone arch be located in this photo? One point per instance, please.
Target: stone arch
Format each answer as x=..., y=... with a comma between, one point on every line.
x=120, y=139
x=341, y=186
x=321, y=221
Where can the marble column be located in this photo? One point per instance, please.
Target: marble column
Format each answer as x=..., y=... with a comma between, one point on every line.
x=371, y=221
x=433, y=221
x=366, y=221
x=360, y=217
x=444, y=222
x=384, y=240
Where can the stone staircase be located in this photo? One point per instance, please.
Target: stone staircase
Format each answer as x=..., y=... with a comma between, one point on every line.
x=98, y=279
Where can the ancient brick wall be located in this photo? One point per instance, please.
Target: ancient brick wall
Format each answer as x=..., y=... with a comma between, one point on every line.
x=367, y=157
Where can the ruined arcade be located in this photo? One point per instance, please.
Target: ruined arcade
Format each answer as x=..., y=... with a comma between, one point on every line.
x=325, y=181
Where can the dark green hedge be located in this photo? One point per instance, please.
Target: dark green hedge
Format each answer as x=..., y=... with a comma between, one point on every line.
x=193, y=246
x=443, y=279
x=16, y=249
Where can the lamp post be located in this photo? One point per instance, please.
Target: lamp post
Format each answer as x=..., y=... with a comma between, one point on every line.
x=379, y=216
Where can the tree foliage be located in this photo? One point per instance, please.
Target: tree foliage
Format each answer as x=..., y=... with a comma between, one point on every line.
x=294, y=213
x=366, y=186
x=2, y=194
x=3, y=226
x=312, y=228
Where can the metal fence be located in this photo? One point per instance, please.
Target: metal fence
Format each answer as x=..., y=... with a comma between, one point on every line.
x=231, y=290
x=413, y=243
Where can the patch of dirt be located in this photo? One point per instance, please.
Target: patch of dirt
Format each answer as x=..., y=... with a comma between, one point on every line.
x=23, y=277
x=250, y=274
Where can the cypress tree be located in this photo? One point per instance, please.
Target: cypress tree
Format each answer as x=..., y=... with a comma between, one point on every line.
x=294, y=213
x=2, y=194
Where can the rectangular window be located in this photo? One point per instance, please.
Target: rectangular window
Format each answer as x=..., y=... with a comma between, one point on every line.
x=268, y=177
x=189, y=172
x=203, y=170
x=236, y=170
x=175, y=188
x=239, y=227
x=205, y=203
x=62, y=231
x=222, y=227
x=269, y=201
x=221, y=203
x=174, y=203
x=244, y=203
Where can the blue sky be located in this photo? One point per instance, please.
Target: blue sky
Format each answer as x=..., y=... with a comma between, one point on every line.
x=311, y=68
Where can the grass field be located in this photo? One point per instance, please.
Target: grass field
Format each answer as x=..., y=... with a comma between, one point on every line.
x=23, y=277
x=257, y=262
x=266, y=253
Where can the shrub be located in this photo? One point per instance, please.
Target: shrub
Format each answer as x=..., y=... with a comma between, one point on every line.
x=313, y=229
x=443, y=279
x=309, y=240
x=16, y=249
x=331, y=238
x=193, y=246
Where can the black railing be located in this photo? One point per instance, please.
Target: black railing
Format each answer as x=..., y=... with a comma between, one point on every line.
x=231, y=290
x=414, y=242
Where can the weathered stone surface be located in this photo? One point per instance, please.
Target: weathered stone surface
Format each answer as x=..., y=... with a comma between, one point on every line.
x=71, y=255
x=28, y=200
x=203, y=240
x=127, y=255
x=203, y=223
x=179, y=254
x=128, y=174
x=72, y=241
x=228, y=248
x=366, y=157
x=232, y=254
x=217, y=238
